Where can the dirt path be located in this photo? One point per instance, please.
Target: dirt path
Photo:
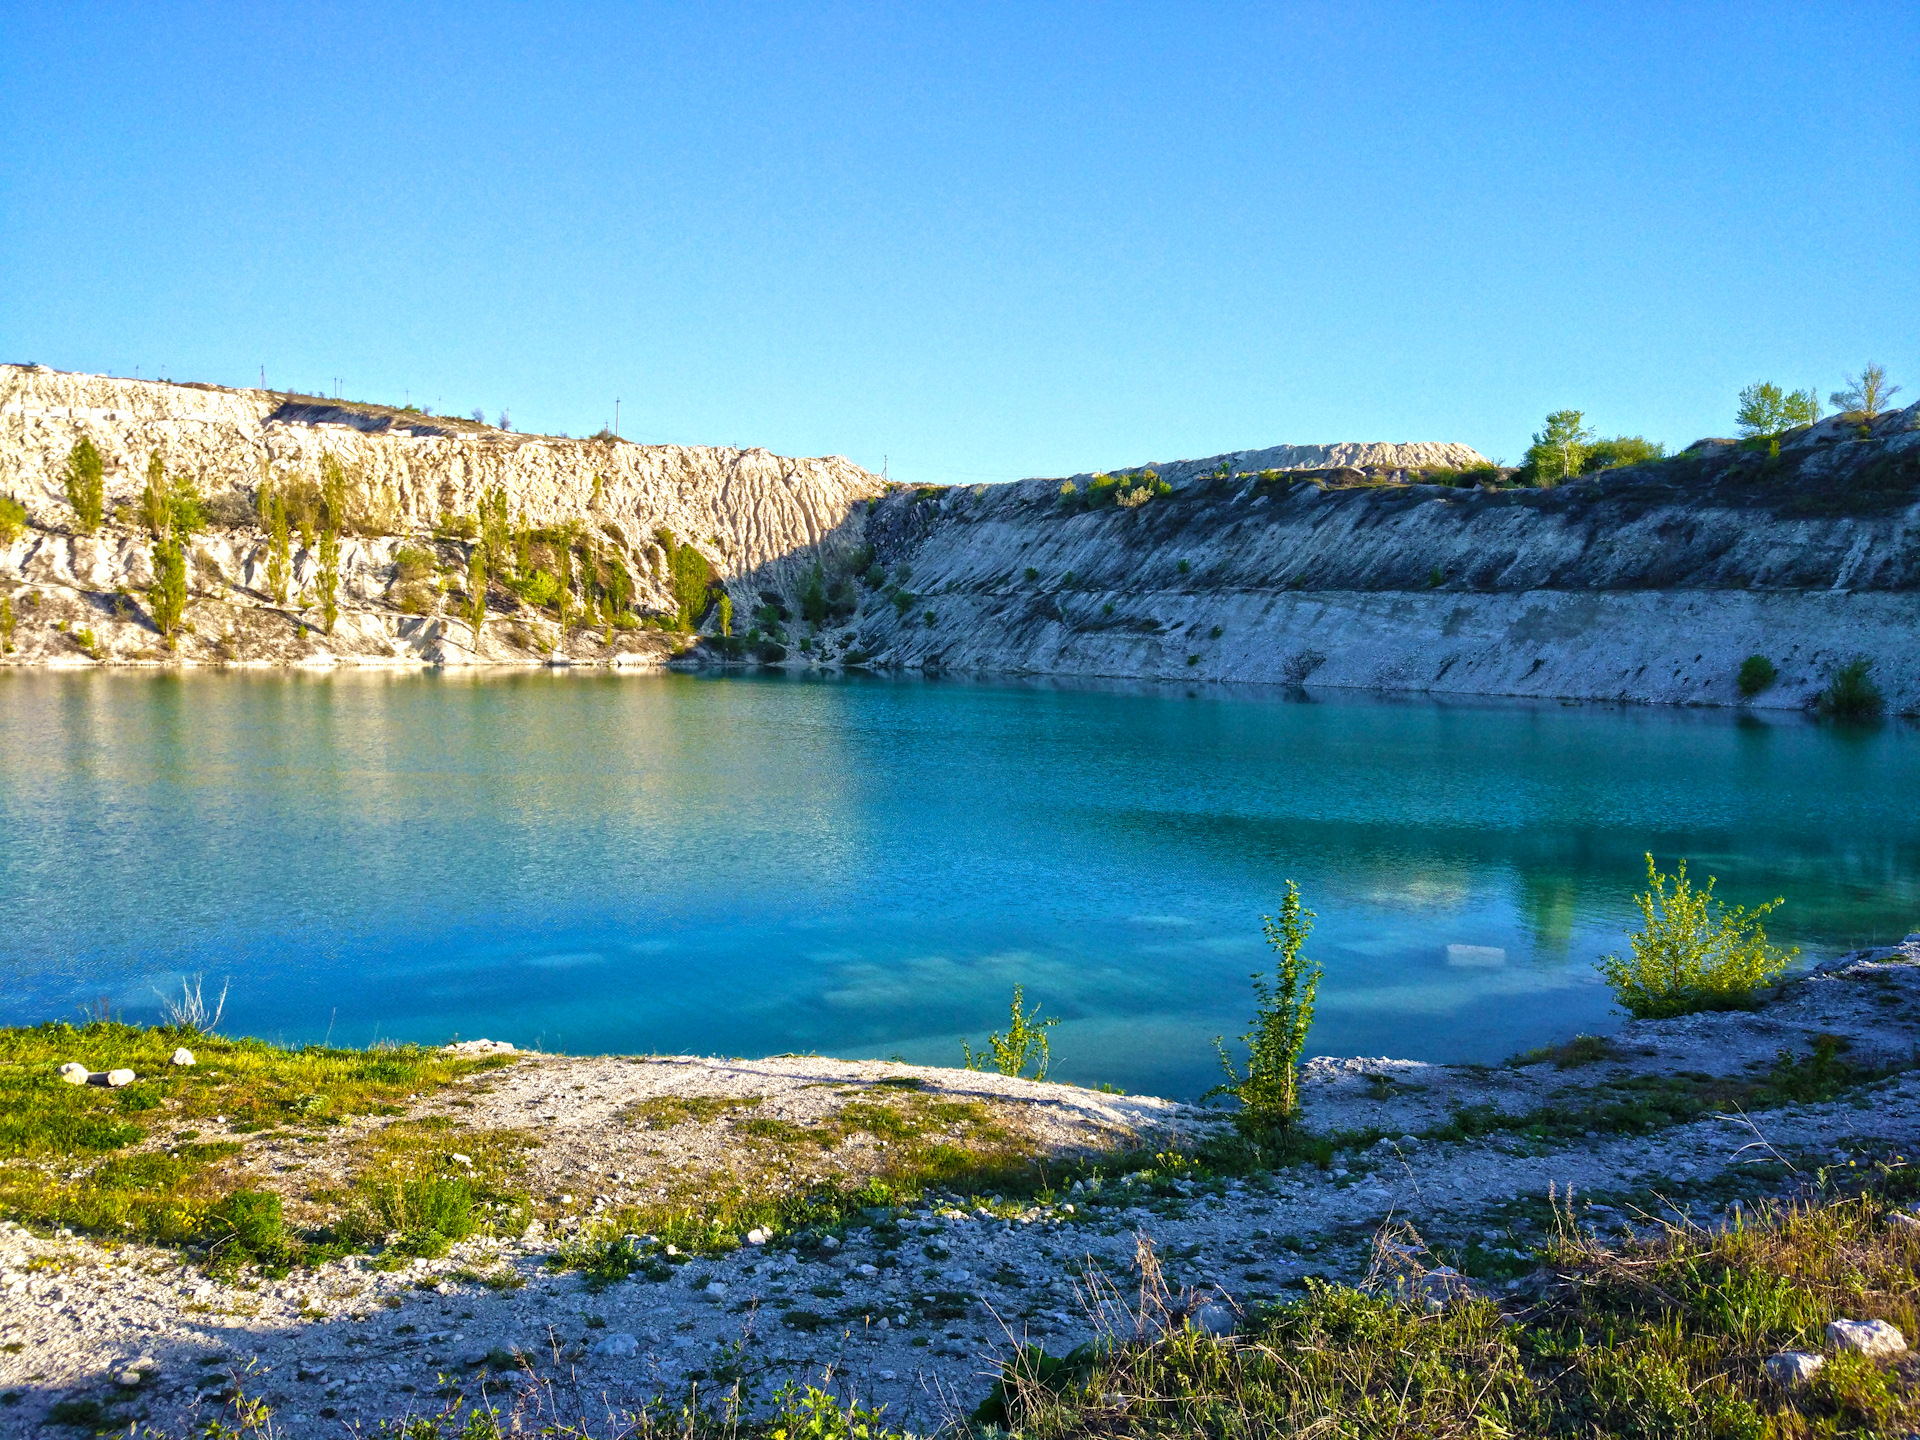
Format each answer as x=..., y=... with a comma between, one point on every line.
x=908, y=1305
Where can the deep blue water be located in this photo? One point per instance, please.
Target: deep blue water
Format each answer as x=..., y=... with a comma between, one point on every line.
x=865, y=867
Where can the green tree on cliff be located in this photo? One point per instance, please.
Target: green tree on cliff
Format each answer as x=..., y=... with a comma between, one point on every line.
x=86, y=485
x=1767, y=410
x=167, y=595
x=328, y=580
x=1867, y=396
x=279, y=549
x=813, y=600
x=155, y=511
x=1560, y=449
x=477, y=588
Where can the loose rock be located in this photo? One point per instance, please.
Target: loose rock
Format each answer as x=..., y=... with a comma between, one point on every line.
x=1875, y=1339
x=74, y=1073
x=1793, y=1369
x=182, y=1057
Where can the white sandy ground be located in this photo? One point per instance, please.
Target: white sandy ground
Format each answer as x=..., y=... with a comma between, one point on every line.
x=346, y=1342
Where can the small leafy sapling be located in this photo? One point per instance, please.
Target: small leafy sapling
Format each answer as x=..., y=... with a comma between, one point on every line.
x=1269, y=1090
x=1024, y=1043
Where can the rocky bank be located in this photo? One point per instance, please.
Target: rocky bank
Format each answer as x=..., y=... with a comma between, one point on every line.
x=911, y=1306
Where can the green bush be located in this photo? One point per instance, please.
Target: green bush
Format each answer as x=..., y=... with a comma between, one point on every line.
x=1756, y=674
x=539, y=588
x=13, y=519
x=1693, y=953
x=1619, y=452
x=1269, y=1092
x=1851, y=694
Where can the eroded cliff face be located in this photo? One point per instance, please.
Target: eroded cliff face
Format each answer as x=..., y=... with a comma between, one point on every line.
x=750, y=512
x=1344, y=569
x=1650, y=584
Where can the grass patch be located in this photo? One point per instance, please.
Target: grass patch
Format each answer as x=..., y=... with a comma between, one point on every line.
x=1570, y=1054
x=1641, y=1104
x=1665, y=1336
x=666, y=1111
x=118, y=1162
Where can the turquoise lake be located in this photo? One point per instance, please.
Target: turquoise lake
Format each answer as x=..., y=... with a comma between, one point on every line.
x=866, y=867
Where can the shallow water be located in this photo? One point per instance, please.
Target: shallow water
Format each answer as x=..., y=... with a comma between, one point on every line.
x=865, y=867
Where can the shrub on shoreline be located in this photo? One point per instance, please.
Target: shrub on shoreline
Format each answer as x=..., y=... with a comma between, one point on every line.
x=1693, y=953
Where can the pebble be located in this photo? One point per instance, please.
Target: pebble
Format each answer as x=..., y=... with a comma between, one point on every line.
x=118, y=1078
x=620, y=1345
x=182, y=1057
x=74, y=1073
x=758, y=1236
x=1875, y=1339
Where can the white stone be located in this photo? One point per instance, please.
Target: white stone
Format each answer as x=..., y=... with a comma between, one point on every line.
x=117, y=1078
x=619, y=1344
x=757, y=1237
x=1874, y=1339
x=715, y=1290
x=182, y=1057
x=74, y=1073
x=1792, y=1369
x=830, y=1242
x=1903, y=1221
x=867, y=1271
x=956, y=1277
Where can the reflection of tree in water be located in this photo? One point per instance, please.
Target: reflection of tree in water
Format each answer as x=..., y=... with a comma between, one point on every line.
x=1548, y=906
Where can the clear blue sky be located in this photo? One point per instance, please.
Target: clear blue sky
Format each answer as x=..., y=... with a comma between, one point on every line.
x=984, y=241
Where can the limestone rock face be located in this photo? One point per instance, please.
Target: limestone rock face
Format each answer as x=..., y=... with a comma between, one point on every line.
x=762, y=520
x=1651, y=584
x=1348, y=455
